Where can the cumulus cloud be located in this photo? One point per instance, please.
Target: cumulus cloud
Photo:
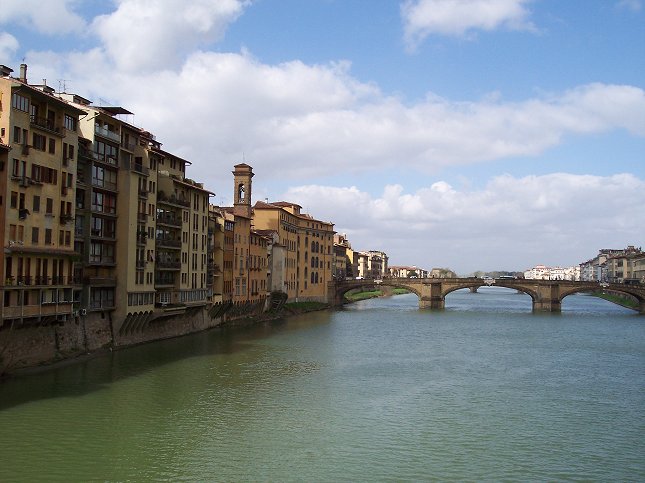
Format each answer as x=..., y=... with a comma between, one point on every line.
x=157, y=34
x=220, y=105
x=501, y=226
x=56, y=17
x=8, y=45
x=306, y=121
x=422, y=18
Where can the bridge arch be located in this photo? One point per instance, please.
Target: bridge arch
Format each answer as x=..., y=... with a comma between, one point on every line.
x=614, y=288
x=342, y=288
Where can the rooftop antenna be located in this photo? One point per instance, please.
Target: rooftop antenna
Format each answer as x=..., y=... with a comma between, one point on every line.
x=62, y=85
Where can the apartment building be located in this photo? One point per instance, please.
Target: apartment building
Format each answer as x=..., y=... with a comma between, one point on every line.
x=343, y=263
x=216, y=235
x=308, y=248
x=377, y=262
x=38, y=147
x=182, y=215
x=626, y=267
x=141, y=225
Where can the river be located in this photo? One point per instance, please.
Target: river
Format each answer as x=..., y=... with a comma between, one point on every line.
x=377, y=391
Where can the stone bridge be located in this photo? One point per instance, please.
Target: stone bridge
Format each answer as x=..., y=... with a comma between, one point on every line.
x=546, y=295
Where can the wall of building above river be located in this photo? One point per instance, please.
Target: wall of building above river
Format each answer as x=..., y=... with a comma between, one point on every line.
x=32, y=346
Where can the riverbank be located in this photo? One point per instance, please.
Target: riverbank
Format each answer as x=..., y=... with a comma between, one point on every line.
x=618, y=299
x=371, y=294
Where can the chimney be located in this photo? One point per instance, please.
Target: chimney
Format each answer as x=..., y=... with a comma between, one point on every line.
x=23, y=73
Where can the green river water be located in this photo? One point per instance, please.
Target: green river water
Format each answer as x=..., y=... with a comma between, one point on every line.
x=484, y=390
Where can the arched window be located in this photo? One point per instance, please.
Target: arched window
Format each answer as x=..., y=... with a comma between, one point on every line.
x=316, y=277
x=312, y=277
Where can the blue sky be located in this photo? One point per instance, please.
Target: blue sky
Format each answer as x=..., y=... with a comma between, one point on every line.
x=469, y=134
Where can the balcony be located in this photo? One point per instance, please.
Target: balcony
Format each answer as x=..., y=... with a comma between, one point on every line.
x=128, y=145
x=172, y=200
x=103, y=234
x=47, y=125
x=143, y=193
x=100, y=281
x=168, y=243
x=63, y=307
x=101, y=261
x=139, y=168
x=168, y=219
x=106, y=133
x=28, y=281
x=140, y=264
x=104, y=184
x=102, y=305
x=104, y=210
x=168, y=265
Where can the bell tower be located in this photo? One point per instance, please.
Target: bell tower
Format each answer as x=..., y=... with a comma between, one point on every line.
x=242, y=175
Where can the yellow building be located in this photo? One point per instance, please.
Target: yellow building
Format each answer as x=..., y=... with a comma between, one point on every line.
x=141, y=225
x=38, y=145
x=308, y=248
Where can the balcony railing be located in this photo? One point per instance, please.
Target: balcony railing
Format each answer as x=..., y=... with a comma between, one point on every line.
x=44, y=123
x=174, y=265
x=104, y=184
x=29, y=281
x=102, y=305
x=168, y=219
x=172, y=200
x=106, y=210
x=100, y=281
x=107, y=261
x=139, y=168
x=106, y=159
x=168, y=242
x=106, y=133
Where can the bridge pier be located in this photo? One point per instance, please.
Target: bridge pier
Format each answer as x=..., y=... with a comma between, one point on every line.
x=432, y=303
x=547, y=306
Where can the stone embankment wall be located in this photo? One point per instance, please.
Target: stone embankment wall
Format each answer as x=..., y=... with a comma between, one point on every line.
x=31, y=346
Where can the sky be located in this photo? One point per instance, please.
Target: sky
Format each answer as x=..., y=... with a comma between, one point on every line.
x=463, y=134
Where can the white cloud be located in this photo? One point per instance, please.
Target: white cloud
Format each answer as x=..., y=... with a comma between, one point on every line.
x=157, y=34
x=307, y=121
x=459, y=17
x=633, y=5
x=8, y=45
x=510, y=224
x=54, y=17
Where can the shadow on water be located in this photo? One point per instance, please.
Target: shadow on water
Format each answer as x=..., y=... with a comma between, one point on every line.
x=80, y=377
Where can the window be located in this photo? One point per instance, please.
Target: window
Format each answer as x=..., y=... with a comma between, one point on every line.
x=48, y=236
x=50, y=206
x=20, y=102
x=36, y=205
x=70, y=123
x=16, y=134
x=14, y=199
x=52, y=146
x=39, y=142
